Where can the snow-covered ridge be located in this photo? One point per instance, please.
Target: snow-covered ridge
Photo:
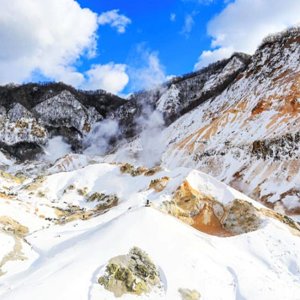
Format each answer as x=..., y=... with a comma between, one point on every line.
x=70, y=221
x=91, y=226
x=32, y=114
x=247, y=134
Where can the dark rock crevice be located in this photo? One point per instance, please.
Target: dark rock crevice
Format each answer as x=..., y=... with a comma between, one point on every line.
x=279, y=148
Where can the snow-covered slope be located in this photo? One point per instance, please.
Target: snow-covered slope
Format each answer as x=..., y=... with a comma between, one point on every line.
x=237, y=120
x=217, y=268
x=31, y=114
x=87, y=226
x=59, y=231
x=246, y=136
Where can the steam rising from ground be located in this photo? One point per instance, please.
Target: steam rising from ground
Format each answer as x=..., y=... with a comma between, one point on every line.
x=151, y=124
x=149, y=127
x=152, y=141
x=99, y=139
x=55, y=149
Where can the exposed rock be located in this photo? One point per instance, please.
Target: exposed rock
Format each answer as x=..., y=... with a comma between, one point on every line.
x=170, y=207
x=20, y=133
x=133, y=273
x=198, y=210
x=159, y=184
x=32, y=113
x=187, y=294
x=133, y=171
x=210, y=216
x=82, y=191
x=10, y=225
x=281, y=148
x=23, y=150
x=15, y=254
x=103, y=201
x=241, y=217
x=17, y=112
x=130, y=169
x=294, y=226
x=96, y=197
x=65, y=110
x=75, y=212
x=22, y=130
x=18, y=178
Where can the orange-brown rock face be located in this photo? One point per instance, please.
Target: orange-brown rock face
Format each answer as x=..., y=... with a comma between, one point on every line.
x=249, y=135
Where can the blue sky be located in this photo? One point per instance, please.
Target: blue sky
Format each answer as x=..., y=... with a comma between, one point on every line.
x=152, y=26
x=123, y=46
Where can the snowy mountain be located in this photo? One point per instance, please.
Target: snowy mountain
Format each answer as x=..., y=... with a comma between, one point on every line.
x=59, y=232
x=187, y=191
x=246, y=135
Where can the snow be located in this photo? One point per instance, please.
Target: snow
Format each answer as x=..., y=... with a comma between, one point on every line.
x=58, y=260
x=65, y=261
x=169, y=100
x=291, y=201
x=186, y=258
x=217, y=136
x=55, y=149
x=218, y=190
x=6, y=244
x=64, y=109
x=4, y=160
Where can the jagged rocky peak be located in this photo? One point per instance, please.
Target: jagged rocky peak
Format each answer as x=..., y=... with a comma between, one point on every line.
x=33, y=113
x=181, y=94
x=64, y=112
x=263, y=82
x=18, y=111
x=276, y=53
x=247, y=136
x=187, y=92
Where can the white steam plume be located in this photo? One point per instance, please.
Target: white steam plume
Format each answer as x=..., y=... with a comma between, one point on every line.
x=99, y=139
x=152, y=141
x=55, y=149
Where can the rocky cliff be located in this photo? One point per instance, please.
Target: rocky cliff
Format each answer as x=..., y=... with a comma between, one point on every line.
x=237, y=119
x=31, y=114
x=140, y=170
x=241, y=123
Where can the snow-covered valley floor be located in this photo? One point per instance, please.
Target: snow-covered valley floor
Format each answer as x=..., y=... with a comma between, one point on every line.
x=71, y=221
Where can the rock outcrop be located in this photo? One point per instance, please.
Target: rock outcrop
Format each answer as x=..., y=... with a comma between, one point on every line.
x=33, y=113
x=237, y=120
x=242, y=125
x=133, y=273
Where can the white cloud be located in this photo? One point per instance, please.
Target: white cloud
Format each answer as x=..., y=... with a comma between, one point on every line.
x=188, y=25
x=146, y=71
x=172, y=17
x=209, y=56
x=243, y=24
x=115, y=20
x=46, y=36
x=110, y=77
